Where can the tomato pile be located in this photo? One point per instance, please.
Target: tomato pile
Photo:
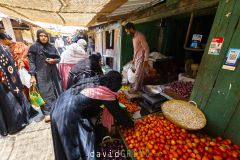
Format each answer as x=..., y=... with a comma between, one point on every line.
x=131, y=107
x=154, y=138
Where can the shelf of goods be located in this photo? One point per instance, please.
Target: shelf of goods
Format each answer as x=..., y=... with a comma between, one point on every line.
x=155, y=137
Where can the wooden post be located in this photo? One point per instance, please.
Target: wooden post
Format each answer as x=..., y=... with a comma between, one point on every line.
x=8, y=27
x=118, y=47
x=32, y=34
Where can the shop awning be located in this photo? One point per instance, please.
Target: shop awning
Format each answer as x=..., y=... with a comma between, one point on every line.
x=63, y=12
x=73, y=12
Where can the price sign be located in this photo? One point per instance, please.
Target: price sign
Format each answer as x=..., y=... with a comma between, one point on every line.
x=215, y=46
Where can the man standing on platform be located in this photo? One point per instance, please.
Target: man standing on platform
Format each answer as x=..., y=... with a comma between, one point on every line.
x=140, y=57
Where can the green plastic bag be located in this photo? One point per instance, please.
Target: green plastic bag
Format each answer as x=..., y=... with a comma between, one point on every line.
x=35, y=97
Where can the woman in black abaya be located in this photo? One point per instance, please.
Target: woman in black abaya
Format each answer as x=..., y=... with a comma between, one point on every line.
x=73, y=133
x=43, y=58
x=85, y=68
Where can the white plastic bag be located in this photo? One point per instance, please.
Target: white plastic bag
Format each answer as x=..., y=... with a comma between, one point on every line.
x=125, y=72
x=25, y=77
x=127, y=66
x=130, y=75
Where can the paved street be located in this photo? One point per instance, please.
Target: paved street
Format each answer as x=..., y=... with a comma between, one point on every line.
x=33, y=143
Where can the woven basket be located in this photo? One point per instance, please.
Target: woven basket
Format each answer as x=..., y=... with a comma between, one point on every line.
x=184, y=114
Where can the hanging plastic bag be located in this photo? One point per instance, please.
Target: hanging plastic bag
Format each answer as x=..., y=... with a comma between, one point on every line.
x=35, y=97
x=124, y=72
x=131, y=74
x=25, y=77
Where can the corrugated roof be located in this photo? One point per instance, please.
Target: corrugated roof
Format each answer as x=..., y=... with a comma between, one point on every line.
x=133, y=5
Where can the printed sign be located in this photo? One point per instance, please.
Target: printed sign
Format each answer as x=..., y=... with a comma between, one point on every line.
x=232, y=58
x=215, y=46
x=196, y=40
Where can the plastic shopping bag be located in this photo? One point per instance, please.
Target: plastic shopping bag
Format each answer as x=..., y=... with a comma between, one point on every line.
x=35, y=97
x=25, y=77
x=131, y=75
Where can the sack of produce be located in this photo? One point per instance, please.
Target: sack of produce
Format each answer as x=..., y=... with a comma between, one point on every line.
x=25, y=77
x=131, y=75
x=184, y=114
x=125, y=72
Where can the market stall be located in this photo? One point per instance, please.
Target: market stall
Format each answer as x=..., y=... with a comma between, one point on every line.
x=173, y=134
x=155, y=137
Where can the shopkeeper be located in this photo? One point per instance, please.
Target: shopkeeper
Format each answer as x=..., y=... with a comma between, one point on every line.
x=72, y=130
x=140, y=57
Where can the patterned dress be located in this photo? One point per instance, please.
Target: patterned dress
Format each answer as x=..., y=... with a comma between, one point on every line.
x=14, y=107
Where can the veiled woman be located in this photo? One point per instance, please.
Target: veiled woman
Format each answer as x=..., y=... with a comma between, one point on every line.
x=43, y=58
x=71, y=56
x=73, y=133
x=85, y=68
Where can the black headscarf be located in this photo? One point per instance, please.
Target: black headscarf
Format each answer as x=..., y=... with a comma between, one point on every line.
x=95, y=57
x=85, y=68
x=94, y=62
x=46, y=48
x=38, y=36
x=9, y=70
x=111, y=80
